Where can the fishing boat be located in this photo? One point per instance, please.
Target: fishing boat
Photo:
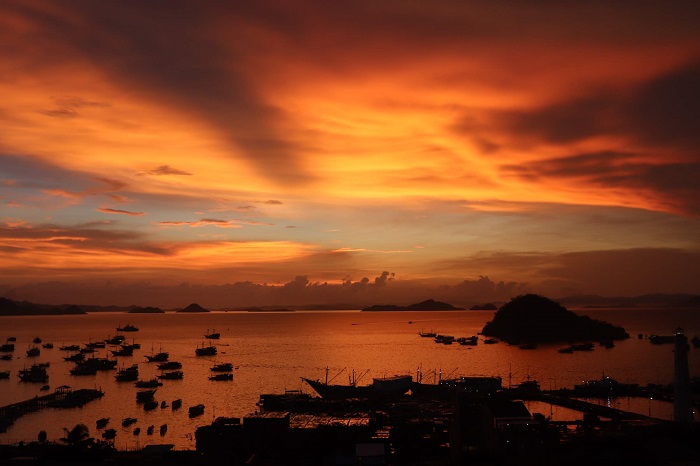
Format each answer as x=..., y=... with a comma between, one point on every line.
x=177, y=404
x=76, y=357
x=221, y=377
x=137, y=431
x=223, y=367
x=95, y=344
x=490, y=341
x=44, y=388
x=196, y=410
x=47, y=345
x=33, y=352
x=36, y=340
x=206, y=350
x=115, y=340
x=153, y=383
x=468, y=341
x=102, y=422
x=157, y=357
x=429, y=334
x=6, y=357
x=214, y=335
x=7, y=347
x=380, y=388
x=169, y=365
x=83, y=369
x=150, y=430
x=128, y=328
x=175, y=375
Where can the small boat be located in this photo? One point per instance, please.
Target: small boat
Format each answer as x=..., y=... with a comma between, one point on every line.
x=145, y=395
x=444, y=339
x=83, y=369
x=11, y=338
x=5, y=375
x=469, y=341
x=33, y=352
x=490, y=341
x=6, y=357
x=137, y=431
x=7, y=347
x=177, y=404
x=127, y=421
x=583, y=347
x=567, y=350
x=223, y=367
x=169, y=365
x=123, y=351
x=153, y=383
x=150, y=405
x=95, y=344
x=429, y=334
x=102, y=422
x=206, y=350
x=87, y=350
x=196, y=410
x=163, y=429
x=115, y=340
x=221, y=377
x=44, y=364
x=109, y=434
x=175, y=375
x=527, y=346
x=47, y=345
x=70, y=348
x=128, y=328
x=695, y=341
x=37, y=340
x=212, y=336
x=150, y=430
x=44, y=388
x=163, y=404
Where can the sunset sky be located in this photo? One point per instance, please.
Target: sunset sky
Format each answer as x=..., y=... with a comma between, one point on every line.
x=249, y=153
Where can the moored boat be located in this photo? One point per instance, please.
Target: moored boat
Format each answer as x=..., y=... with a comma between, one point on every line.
x=102, y=422
x=221, y=377
x=153, y=383
x=175, y=375
x=128, y=328
x=35, y=374
x=196, y=410
x=380, y=388
x=7, y=347
x=169, y=365
x=206, y=350
x=214, y=335
x=177, y=404
x=33, y=352
x=223, y=367
x=143, y=396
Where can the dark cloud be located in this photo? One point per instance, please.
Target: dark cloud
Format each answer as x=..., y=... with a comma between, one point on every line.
x=166, y=170
x=119, y=211
x=67, y=107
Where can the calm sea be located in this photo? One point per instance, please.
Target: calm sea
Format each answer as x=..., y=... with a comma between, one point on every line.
x=272, y=351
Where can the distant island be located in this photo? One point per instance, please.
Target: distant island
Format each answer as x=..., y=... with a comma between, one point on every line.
x=146, y=310
x=194, y=307
x=533, y=318
x=9, y=307
x=428, y=305
x=483, y=307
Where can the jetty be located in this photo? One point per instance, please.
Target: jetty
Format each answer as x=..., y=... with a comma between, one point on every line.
x=63, y=397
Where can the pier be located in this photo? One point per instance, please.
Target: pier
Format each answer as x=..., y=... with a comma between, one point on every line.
x=62, y=397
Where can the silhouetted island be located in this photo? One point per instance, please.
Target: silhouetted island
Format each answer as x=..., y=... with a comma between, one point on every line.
x=194, y=307
x=146, y=310
x=533, y=318
x=483, y=307
x=9, y=307
x=429, y=305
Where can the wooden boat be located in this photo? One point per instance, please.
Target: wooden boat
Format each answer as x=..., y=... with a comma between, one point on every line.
x=206, y=350
x=177, y=404
x=145, y=395
x=153, y=383
x=212, y=336
x=223, y=367
x=169, y=365
x=221, y=377
x=128, y=328
x=35, y=374
x=150, y=405
x=127, y=421
x=33, y=352
x=175, y=375
x=380, y=388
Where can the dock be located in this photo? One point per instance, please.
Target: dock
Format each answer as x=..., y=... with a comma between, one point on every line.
x=62, y=397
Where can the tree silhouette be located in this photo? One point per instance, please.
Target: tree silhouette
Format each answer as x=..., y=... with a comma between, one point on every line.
x=77, y=435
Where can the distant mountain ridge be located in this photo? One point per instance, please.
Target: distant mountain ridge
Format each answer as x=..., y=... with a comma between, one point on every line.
x=9, y=307
x=428, y=305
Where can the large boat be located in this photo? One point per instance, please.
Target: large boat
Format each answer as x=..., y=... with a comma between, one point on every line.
x=205, y=350
x=380, y=388
x=35, y=374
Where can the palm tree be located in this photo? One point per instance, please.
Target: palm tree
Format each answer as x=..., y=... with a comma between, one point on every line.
x=77, y=435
